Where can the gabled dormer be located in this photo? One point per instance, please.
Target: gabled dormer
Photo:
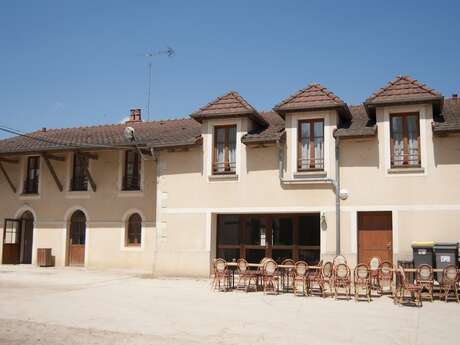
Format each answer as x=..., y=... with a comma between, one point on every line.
x=224, y=122
x=311, y=116
x=404, y=110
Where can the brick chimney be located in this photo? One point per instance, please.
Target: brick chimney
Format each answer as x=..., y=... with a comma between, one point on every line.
x=135, y=115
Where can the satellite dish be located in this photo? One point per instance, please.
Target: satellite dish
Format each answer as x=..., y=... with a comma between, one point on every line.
x=129, y=133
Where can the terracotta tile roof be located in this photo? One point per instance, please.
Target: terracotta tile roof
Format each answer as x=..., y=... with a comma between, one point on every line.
x=314, y=96
x=272, y=133
x=449, y=119
x=360, y=126
x=229, y=105
x=403, y=89
x=152, y=133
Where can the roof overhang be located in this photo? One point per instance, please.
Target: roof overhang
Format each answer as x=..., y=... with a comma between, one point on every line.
x=255, y=116
x=437, y=102
x=342, y=109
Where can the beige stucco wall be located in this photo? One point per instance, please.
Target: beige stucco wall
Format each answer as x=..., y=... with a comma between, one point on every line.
x=107, y=210
x=180, y=198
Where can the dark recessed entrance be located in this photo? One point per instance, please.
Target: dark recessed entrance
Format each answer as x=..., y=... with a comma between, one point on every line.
x=280, y=236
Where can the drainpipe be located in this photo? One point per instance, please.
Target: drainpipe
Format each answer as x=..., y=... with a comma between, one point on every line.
x=337, y=196
x=156, y=159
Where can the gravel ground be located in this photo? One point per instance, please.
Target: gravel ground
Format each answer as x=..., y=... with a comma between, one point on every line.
x=77, y=306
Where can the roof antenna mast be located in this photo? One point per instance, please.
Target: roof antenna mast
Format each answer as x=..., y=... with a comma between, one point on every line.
x=169, y=52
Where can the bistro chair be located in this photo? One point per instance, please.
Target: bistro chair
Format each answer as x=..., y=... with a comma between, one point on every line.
x=425, y=279
x=342, y=280
x=403, y=286
x=327, y=278
x=288, y=274
x=362, y=281
x=245, y=275
x=374, y=264
x=450, y=282
x=221, y=280
x=314, y=278
x=385, y=276
x=270, y=277
x=300, y=277
x=339, y=259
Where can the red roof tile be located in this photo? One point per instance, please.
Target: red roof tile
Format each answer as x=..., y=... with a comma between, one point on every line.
x=229, y=105
x=403, y=89
x=314, y=96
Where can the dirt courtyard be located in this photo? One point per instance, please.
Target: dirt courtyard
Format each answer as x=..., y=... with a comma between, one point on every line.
x=77, y=306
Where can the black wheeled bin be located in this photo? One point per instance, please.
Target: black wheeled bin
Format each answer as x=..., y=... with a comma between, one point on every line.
x=423, y=253
x=445, y=254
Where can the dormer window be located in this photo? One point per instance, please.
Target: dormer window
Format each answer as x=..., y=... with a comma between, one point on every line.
x=310, y=153
x=224, y=160
x=405, y=140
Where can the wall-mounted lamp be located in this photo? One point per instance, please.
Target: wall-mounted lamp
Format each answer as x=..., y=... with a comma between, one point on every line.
x=323, y=221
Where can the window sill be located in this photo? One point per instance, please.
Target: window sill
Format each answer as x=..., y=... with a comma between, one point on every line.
x=223, y=177
x=131, y=193
x=126, y=248
x=309, y=174
x=406, y=170
x=78, y=195
x=29, y=196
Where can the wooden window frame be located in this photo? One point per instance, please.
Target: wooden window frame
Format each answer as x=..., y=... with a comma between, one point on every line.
x=406, y=163
x=31, y=183
x=128, y=222
x=313, y=160
x=74, y=185
x=132, y=183
x=269, y=247
x=227, y=168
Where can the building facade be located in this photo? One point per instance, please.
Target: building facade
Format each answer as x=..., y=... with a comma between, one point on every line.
x=166, y=197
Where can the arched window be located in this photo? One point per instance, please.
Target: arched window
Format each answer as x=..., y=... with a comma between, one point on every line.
x=134, y=230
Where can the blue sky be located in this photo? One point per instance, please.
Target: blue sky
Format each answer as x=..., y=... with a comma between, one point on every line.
x=66, y=63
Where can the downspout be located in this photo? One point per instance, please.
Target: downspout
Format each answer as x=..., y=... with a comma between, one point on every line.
x=337, y=196
x=156, y=159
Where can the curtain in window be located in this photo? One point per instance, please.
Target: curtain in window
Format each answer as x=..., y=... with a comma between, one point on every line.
x=398, y=140
x=412, y=134
x=220, y=150
x=232, y=147
x=305, y=145
x=319, y=142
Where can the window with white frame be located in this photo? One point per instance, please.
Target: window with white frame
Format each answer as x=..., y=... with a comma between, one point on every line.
x=405, y=140
x=310, y=152
x=224, y=155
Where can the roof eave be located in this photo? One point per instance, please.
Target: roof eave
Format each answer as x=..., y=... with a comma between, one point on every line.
x=255, y=116
x=281, y=111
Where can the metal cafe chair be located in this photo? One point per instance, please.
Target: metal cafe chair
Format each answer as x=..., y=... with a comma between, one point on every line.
x=374, y=264
x=245, y=276
x=342, y=280
x=450, y=282
x=288, y=275
x=270, y=277
x=385, y=277
x=339, y=259
x=362, y=281
x=300, y=277
x=221, y=281
x=424, y=278
x=403, y=286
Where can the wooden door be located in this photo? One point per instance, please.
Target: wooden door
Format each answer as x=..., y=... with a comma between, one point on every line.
x=77, y=238
x=375, y=236
x=11, y=242
x=27, y=233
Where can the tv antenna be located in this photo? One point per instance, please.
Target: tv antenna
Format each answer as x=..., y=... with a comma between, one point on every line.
x=169, y=52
